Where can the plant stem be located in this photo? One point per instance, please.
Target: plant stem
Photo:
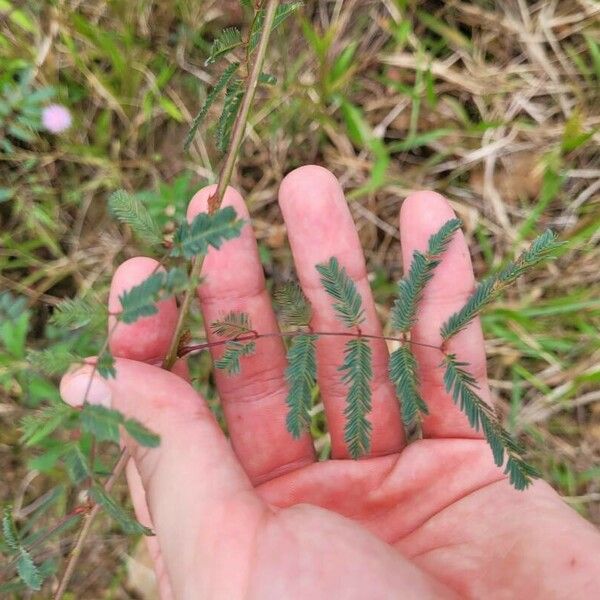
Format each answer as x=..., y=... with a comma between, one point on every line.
x=225, y=174
x=257, y=336
x=213, y=205
x=239, y=127
x=87, y=524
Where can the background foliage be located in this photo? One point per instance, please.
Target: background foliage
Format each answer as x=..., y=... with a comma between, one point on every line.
x=491, y=103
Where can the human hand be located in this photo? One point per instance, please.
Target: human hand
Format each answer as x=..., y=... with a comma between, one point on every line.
x=261, y=518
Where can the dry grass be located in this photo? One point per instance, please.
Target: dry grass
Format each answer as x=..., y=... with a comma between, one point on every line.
x=486, y=102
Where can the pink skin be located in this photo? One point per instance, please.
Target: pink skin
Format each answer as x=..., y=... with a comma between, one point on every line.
x=260, y=518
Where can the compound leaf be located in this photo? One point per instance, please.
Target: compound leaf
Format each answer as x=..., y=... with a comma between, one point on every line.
x=232, y=325
x=124, y=520
x=129, y=210
x=230, y=361
x=294, y=305
x=227, y=40
x=301, y=376
x=422, y=267
x=337, y=283
x=103, y=423
x=404, y=376
x=357, y=373
x=141, y=434
x=207, y=230
x=222, y=82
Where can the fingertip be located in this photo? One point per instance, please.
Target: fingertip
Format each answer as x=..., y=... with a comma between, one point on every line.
x=84, y=385
x=147, y=339
x=199, y=202
x=307, y=182
x=425, y=210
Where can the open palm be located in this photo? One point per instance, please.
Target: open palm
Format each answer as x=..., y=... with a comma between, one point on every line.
x=260, y=518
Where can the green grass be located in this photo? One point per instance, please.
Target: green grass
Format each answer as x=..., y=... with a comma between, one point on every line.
x=392, y=97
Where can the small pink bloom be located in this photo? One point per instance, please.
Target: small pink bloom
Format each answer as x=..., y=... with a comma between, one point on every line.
x=56, y=118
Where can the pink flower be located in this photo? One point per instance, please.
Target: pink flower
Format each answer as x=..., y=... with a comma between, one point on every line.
x=56, y=118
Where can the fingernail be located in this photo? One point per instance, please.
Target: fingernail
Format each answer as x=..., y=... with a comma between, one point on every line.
x=83, y=386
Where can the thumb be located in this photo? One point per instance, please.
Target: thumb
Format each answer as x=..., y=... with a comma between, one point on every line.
x=190, y=477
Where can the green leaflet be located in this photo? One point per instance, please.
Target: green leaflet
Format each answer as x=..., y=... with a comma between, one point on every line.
x=357, y=374
x=542, y=248
x=9, y=530
x=105, y=365
x=126, y=522
x=206, y=230
x=74, y=313
x=462, y=386
x=227, y=40
x=230, y=361
x=337, y=283
x=300, y=375
x=140, y=301
x=404, y=376
x=231, y=105
x=233, y=324
x=222, y=82
x=129, y=210
x=26, y=568
x=103, y=423
x=38, y=426
x=141, y=434
x=54, y=360
x=295, y=307
x=76, y=464
x=410, y=288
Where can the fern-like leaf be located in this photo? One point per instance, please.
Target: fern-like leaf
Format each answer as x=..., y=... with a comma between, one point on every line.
x=126, y=522
x=227, y=40
x=542, y=248
x=206, y=230
x=105, y=365
x=232, y=325
x=337, y=283
x=357, y=373
x=36, y=427
x=422, y=267
x=28, y=570
x=140, y=301
x=234, y=351
x=103, y=423
x=301, y=376
x=404, y=376
x=9, y=530
x=438, y=242
x=463, y=388
x=231, y=105
x=129, y=210
x=54, y=360
x=295, y=307
x=73, y=313
x=222, y=82
x=77, y=464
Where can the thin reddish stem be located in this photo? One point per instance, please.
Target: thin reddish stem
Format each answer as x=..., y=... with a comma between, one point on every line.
x=287, y=334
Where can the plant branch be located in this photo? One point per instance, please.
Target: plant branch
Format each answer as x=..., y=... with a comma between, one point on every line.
x=87, y=524
x=213, y=205
x=214, y=202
